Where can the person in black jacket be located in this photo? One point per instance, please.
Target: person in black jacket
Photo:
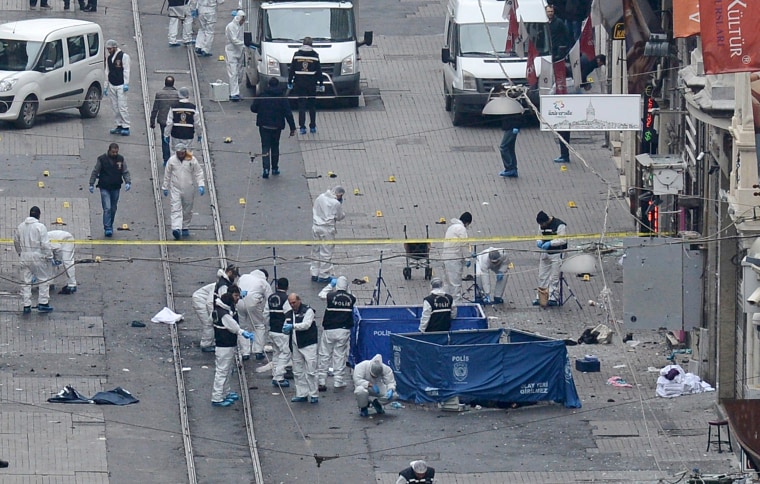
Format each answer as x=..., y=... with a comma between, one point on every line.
x=110, y=170
x=305, y=73
x=164, y=100
x=272, y=110
x=302, y=328
x=417, y=472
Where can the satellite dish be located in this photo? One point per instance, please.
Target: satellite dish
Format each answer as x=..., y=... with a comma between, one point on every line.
x=580, y=264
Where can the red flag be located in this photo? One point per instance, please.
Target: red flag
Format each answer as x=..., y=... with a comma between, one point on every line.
x=513, y=32
x=560, y=77
x=730, y=37
x=530, y=70
x=587, y=39
x=685, y=18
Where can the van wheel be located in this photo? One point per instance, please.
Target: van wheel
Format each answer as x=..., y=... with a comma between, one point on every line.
x=91, y=105
x=28, y=113
x=447, y=102
x=352, y=102
x=457, y=116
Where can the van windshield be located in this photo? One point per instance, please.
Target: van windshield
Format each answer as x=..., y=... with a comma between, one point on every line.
x=18, y=55
x=474, y=38
x=321, y=24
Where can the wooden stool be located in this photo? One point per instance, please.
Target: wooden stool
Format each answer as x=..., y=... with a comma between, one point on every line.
x=718, y=424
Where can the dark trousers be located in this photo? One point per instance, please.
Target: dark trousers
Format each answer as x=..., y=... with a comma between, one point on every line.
x=507, y=150
x=563, y=151
x=309, y=103
x=166, y=151
x=270, y=147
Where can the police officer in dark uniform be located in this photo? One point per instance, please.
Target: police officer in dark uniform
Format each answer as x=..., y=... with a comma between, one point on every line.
x=336, y=333
x=417, y=472
x=305, y=73
x=117, y=85
x=552, y=244
x=226, y=331
x=303, y=344
x=276, y=308
x=226, y=280
x=183, y=120
x=436, y=309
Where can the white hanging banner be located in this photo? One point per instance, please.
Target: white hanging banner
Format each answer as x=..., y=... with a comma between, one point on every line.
x=591, y=112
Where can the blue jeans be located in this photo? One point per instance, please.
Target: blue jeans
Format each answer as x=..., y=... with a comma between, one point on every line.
x=507, y=150
x=110, y=201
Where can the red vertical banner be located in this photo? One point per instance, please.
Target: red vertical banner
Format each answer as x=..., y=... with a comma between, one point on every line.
x=513, y=32
x=685, y=18
x=730, y=36
x=587, y=39
x=530, y=69
x=560, y=77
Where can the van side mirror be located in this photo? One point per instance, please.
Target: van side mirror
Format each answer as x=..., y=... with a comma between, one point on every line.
x=248, y=39
x=445, y=55
x=368, y=38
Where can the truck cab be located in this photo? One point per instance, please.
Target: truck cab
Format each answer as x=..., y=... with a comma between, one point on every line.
x=275, y=31
x=474, y=54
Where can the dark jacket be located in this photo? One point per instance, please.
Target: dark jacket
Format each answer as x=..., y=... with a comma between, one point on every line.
x=110, y=172
x=305, y=71
x=560, y=37
x=511, y=121
x=165, y=99
x=272, y=109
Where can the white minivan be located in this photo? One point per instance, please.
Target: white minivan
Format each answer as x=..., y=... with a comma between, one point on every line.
x=48, y=65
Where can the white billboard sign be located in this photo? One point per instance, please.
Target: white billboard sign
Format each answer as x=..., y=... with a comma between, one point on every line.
x=591, y=112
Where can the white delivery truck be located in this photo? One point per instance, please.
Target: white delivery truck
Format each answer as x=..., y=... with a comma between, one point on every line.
x=474, y=52
x=274, y=33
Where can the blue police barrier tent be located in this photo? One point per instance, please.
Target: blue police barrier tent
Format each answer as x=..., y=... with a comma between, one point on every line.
x=433, y=367
x=374, y=324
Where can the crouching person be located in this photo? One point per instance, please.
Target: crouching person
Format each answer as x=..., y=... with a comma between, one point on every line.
x=373, y=383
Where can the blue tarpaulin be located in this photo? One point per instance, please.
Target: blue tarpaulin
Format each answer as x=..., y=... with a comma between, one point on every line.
x=374, y=324
x=473, y=364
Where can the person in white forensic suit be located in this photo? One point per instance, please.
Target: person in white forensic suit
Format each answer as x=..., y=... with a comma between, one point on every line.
x=496, y=261
x=181, y=11
x=336, y=335
x=206, y=19
x=33, y=247
x=202, y=301
x=326, y=212
x=183, y=173
x=455, y=255
x=373, y=383
x=233, y=51
x=64, y=251
x=255, y=291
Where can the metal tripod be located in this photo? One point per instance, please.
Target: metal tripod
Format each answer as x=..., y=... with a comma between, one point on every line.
x=380, y=285
x=564, y=286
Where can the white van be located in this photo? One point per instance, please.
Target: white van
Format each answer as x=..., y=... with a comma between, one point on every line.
x=48, y=65
x=474, y=52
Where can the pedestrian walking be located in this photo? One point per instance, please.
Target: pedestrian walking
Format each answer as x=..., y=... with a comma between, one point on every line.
x=496, y=261
x=202, y=302
x=255, y=291
x=43, y=5
x=552, y=243
x=456, y=255
x=64, y=252
x=327, y=210
x=336, y=333
x=180, y=12
x=183, y=173
x=302, y=328
x=272, y=111
x=511, y=125
x=417, y=472
x=226, y=331
x=162, y=103
x=33, y=248
x=117, y=85
x=183, y=121
x=373, y=383
x=110, y=170
x=436, y=309
x=304, y=76
x=206, y=11
x=233, y=51
x=277, y=306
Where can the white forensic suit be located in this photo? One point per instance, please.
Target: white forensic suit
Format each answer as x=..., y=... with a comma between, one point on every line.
x=550, y=259
x=303, y=345
x=326, y=212
x=64, y=250
x=33, y=247
x=370, y=374
x=207, y=20
x=181, y=179
x=116, y=92
x=233, y=51
x=500, y=267
x=335, y=341
x=182, y=12
x=225, y=330
x=455, y=254
x=203, y=300
x=252, y=307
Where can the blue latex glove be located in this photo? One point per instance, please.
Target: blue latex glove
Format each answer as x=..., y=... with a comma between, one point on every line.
x=546, y=245
x=467, y=263
x=92, y=189
x=539, y=243
x=202, y=190
x=56, y=262
x=126, y=87
x=166, y=139
x=234, y=13
x=105, y=92
x=376, y=389
x=243, y=293
x=500, y=276
x=127, y=186
x=389, y=394
x=486, y=300
x=290, y=86
x=247, y=335
x=515, y=130
x=194, y=13
x=200, y=138
x=287, y=328
x=166, y=193
x=333, y=282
